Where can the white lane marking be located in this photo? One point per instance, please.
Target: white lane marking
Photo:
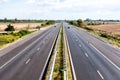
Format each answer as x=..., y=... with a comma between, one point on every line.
x=105, y=57
x=38, y=49
x=18, y=54
x=71, y=61
x=100, y=74
x=43, y=70
x=86, y=54
x=27, y=61
x=80, y=45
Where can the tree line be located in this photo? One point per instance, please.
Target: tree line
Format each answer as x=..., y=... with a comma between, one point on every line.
x=23, y=20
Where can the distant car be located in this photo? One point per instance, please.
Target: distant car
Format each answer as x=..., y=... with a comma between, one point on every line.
x=68, y=27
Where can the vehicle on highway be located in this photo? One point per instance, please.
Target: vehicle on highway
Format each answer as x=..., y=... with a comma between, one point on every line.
x=68, y=27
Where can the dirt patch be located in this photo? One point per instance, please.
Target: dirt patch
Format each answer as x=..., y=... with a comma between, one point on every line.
x=110, y=27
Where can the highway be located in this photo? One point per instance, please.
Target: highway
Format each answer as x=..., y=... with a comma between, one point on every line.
x=28, y=60
x=92, y=58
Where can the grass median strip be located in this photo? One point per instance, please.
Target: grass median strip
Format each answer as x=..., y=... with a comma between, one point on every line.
x=61, y=68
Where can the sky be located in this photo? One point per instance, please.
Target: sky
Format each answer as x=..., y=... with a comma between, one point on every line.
x=60, y=9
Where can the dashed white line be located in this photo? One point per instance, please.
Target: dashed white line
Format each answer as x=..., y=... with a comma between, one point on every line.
x=100, y=74
x=18, y=54
x=27, y=61
x=105, y=57
x=86, y=54
x=79, y=45
x=38, y=49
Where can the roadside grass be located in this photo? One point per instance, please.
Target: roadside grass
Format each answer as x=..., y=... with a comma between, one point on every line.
x=112, y=38
x=5, y=39
x=11, y=37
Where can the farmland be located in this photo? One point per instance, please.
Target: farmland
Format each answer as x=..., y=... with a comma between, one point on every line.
x=21, y=29
x=107, y=30
x=20, y=26
x=111, y=27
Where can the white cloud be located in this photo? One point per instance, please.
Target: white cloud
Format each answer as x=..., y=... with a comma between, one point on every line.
x=2, y=1
x=75, y=7
x=58, y=4
x=62, y=8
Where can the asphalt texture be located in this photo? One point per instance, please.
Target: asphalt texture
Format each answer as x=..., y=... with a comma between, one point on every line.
x=27, y=61
x=93, y=58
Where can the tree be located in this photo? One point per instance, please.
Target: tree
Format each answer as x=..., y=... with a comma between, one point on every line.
x=80, y=22
x=10, y=28
x=15, y=19
x=50, y=22
x=71, y=22
x=5, y=19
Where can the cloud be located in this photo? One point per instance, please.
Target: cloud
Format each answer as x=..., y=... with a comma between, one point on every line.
x=2, y=1
x=58, y=4
x=61, y=8
x=75, y=7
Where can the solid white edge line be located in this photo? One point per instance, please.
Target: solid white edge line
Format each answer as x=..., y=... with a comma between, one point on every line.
x=74, y=74
x=105, y=57
x=100, y=74
x=41, y=75
x=19, y=53
x=27, y=61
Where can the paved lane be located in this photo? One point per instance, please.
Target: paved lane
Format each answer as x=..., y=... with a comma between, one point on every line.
x=28, y=60
x=89, y=62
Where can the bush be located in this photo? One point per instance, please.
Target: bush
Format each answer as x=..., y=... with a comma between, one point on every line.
x=10, y=28
x=10, y=37
x=80, y=22
x=7, y=38
x=50, y=22
x=21, y=33
x=89, y=29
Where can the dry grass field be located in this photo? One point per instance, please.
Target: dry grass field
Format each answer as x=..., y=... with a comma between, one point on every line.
x=111, y=27
x=19, y=26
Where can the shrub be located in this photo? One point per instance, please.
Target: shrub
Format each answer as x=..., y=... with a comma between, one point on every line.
x=10, y=28
x=80, y=22
x=21, y=33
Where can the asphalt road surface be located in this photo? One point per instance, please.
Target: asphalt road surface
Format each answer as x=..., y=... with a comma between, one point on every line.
x=27, y=61
x=93, y=58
